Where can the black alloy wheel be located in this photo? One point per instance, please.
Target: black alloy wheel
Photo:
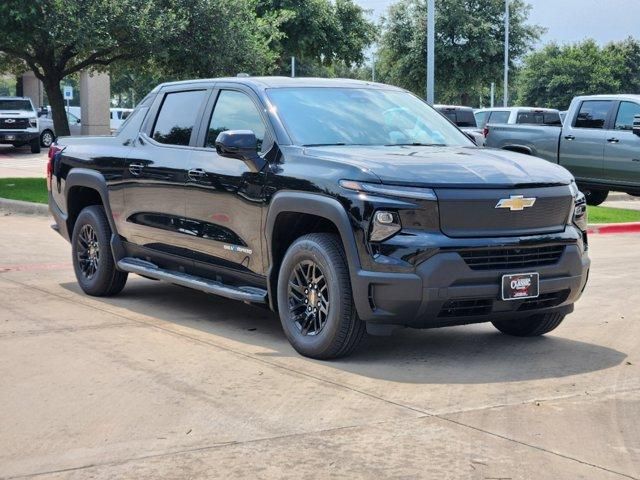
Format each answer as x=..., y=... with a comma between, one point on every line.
x=308, y=298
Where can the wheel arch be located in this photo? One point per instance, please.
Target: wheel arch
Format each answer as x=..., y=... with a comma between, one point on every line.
x=84, y=187
x=518, y=149
x=294, y=214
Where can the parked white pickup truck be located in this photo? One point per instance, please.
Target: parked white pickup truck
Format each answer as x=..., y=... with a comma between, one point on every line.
x=599, y=143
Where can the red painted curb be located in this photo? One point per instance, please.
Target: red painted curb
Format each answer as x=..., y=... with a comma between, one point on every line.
x=605, y=228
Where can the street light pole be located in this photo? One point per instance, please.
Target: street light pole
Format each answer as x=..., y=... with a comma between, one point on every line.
x=506, y=54
x=431, y=64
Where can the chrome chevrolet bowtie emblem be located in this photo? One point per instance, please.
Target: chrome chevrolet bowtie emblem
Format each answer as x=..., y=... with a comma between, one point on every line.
x=516, y=203
x=9, y=120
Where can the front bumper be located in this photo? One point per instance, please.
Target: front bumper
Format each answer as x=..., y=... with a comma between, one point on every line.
x=444, y=290
x=20, y=136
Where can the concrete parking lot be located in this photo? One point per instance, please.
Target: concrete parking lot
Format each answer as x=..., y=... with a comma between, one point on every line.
x=164, y=382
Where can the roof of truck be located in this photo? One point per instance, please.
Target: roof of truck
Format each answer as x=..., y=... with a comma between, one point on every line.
x=619, y=96
x=280, y=82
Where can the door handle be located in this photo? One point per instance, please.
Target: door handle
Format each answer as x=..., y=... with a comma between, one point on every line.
x=136, y=168
x=612, y=140
x=569, y=137
x=196, y=174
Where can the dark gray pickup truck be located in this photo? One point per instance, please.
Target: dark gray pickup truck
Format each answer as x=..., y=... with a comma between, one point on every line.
x=599, y=143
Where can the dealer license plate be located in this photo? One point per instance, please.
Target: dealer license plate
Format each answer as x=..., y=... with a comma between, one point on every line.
x=520, y=285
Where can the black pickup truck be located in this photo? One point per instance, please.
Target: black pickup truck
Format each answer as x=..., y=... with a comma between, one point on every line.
x=345, y=206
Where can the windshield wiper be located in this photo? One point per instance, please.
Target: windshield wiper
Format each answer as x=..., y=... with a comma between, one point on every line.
x=415, y=144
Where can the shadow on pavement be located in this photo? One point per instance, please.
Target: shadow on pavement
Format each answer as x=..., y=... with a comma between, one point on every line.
x=473, y=354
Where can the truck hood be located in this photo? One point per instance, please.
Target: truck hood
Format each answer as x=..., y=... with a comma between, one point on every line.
x=446, y=166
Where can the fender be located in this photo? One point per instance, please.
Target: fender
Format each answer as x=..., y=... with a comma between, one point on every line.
x=320, y=206
x=84, y=177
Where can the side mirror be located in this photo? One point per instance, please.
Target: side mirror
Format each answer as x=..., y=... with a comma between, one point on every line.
x=636, y=125
x=242, y=145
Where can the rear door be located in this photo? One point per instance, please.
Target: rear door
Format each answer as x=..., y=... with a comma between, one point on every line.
x=156, y=175
x=622, y=147
x=583, y=138
x=225, y=196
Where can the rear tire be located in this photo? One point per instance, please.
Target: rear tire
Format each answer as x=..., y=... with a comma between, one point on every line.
x=315, y=301
x=35, y=145
x=93, y=261
x=595, y=197
x=531, y=326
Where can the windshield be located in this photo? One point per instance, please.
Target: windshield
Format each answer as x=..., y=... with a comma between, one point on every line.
x=15, y=105
x=361, y=116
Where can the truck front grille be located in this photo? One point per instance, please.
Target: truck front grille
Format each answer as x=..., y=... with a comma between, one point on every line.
x=475, y=212
x=509, y=258
x=14, y=123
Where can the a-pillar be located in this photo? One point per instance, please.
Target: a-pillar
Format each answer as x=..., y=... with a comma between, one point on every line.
x=95, y=98
x=32, y=88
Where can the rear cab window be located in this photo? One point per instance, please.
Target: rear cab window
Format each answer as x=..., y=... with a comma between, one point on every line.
x=593, y=114
x=177, y=117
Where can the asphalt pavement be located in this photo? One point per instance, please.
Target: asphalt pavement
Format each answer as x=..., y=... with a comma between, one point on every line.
x=164, y=382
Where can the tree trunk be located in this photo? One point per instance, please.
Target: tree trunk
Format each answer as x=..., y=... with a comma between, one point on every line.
x=58, y=112
x=464, y=99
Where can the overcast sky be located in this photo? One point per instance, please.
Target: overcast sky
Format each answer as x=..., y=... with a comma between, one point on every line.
x=570, y=21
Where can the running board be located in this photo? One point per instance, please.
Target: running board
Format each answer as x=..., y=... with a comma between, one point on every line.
x=148, y=269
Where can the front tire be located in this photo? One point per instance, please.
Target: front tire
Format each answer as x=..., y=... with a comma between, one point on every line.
x=35, y=145
x=315, y=301
x=531, y=326
x=46, y=138
x=93, y=261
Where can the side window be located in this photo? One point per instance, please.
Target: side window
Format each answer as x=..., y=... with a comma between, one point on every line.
x=499, y=117
x=593, y=114
x=177, y=117
x=626, y=112
x=481, y=118
x=234, y=111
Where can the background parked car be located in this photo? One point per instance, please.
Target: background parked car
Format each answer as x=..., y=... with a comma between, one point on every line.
x=464, y=118
x=19, y=123
x=517, y=115
x=118, y=116
x=48, y=133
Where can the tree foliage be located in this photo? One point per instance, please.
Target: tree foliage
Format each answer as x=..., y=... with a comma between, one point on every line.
x=552, y=76
x=323, y=35
x=469, y=45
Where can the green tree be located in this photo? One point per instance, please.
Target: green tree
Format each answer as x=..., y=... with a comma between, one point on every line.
x=325, y=36
x=57, y=38
x=552, y=76
x=469, y=45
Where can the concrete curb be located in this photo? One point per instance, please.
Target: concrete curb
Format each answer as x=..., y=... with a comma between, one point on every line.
x=607, y=228
x=24, y=208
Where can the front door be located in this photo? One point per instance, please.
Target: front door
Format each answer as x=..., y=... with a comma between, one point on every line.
x=582, y=141
x=622, y=147
x=156, y=174
x=225, y=196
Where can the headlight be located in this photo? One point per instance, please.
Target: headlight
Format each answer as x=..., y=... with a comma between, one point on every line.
x=580, y=211
x=390, y=190
x=33, y=122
